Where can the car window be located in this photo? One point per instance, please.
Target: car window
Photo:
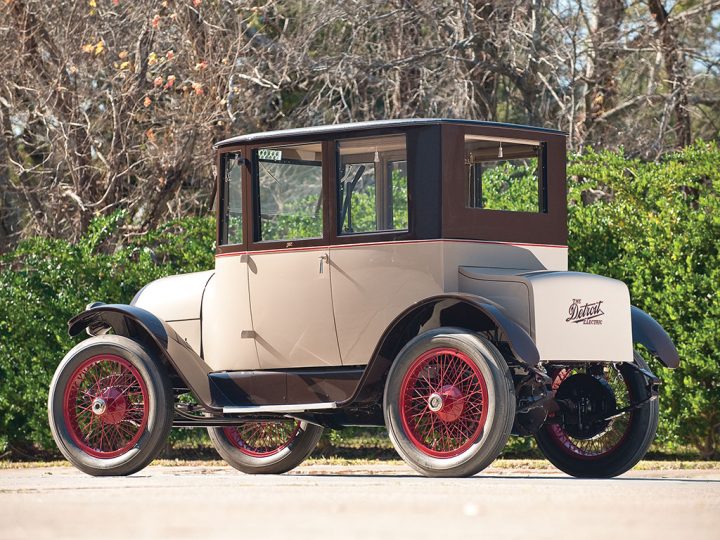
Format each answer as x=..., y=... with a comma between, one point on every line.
x=372, y=185
x=232, y=195
x=289, y=185
x=503, y=175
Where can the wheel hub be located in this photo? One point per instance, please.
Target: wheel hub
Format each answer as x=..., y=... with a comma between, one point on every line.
x=115, y=405
x=447, y=403
x=593, y=399
x=99, y=406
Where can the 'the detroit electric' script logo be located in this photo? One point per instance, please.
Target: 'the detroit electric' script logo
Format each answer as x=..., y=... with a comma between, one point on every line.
x=586, y=313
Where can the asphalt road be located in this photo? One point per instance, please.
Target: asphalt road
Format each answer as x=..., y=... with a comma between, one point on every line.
x=377, y=501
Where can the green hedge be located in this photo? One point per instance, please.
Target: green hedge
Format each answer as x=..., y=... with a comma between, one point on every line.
x=656, y=226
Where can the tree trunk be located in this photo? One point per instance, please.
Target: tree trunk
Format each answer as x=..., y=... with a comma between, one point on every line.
x=676, y=68
x=603, y=89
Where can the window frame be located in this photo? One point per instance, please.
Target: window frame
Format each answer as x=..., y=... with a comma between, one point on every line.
x=541, y=178
x=254, y=241
x=221, y=201
x=336, y=238
x=330, y=235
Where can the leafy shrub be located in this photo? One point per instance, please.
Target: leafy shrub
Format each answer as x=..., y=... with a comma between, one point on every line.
x=656, y=226
x=45, y=282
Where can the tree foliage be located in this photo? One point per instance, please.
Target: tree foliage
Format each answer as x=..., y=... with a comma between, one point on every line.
x=112, y=104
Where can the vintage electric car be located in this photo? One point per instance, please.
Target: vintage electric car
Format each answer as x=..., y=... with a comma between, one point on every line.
x=409, y=274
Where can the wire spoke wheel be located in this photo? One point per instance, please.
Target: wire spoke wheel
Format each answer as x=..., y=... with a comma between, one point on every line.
x=106, y=406
x=267, y=447
x=593, y=439
x=443, y=402
x=611, y=436
x=263, y=439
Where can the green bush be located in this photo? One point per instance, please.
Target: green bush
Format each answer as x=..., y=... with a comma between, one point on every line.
x=655, y=226
x=45, y=282
x=658, y=230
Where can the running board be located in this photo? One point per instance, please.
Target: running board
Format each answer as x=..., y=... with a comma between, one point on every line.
x=301, y=407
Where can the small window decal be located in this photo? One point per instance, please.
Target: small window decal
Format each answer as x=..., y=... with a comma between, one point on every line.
x=270, y=154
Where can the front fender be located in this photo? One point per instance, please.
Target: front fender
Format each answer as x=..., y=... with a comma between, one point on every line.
x=137, y=323
x=648, y=332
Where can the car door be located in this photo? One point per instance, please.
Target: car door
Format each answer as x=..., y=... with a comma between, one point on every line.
x=225, y=315
x=378, y=270
x=288, y=271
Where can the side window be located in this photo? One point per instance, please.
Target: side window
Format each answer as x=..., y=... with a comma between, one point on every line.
x=504, y=175
x=288, y=180
x=231, y=232
x=372, y=185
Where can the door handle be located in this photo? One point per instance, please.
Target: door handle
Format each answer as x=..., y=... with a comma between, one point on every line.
x=323, y=259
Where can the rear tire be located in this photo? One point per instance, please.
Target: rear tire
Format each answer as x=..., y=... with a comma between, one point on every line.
x=449, y=403
x=619, y=447
x=110, y=406
x=266, y=447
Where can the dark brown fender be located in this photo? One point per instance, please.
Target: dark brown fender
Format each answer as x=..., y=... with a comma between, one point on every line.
x=648, y=332
x=457, y=310
x=141, y=325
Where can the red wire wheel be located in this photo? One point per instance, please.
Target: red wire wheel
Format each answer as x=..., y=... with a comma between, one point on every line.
x=263, y=439
x=443, y=402
x=606, y=442
x=106, y=406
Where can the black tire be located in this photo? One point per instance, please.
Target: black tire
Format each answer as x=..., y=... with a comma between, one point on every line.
x=627, y=439
x=138, y=426
x=438, y=438
x=279, y=457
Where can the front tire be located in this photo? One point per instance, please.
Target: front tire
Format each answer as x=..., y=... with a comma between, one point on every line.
x=110, y=406
x=621, y=444
x=266, y=447
x=449, y=403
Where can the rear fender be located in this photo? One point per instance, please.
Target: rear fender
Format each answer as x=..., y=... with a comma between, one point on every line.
x=452, y=310
x=141, y=325
x=648, y=332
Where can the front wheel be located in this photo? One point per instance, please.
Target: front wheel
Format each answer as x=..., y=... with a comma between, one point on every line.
x=110, y=406
x=271, y=447
x=602, y=449
x=449, y=403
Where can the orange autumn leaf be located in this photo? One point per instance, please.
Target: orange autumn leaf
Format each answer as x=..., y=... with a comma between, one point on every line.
x=198, y=89
x=170, y=81
x=170, y=54
x=155, y=21
x=158, y=81
x=147, y=102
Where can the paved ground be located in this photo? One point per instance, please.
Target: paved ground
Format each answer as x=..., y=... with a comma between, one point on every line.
x=378, y=501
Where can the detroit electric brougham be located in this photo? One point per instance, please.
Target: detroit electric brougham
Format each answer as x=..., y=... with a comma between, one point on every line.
x=405, y=273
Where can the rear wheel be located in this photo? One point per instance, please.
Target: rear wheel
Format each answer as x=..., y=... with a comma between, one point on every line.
x=266, y=447
x=110, y=406
x=449, y=403
x=604, y=448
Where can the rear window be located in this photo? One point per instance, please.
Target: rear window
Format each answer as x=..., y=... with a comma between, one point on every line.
x=504, y=175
